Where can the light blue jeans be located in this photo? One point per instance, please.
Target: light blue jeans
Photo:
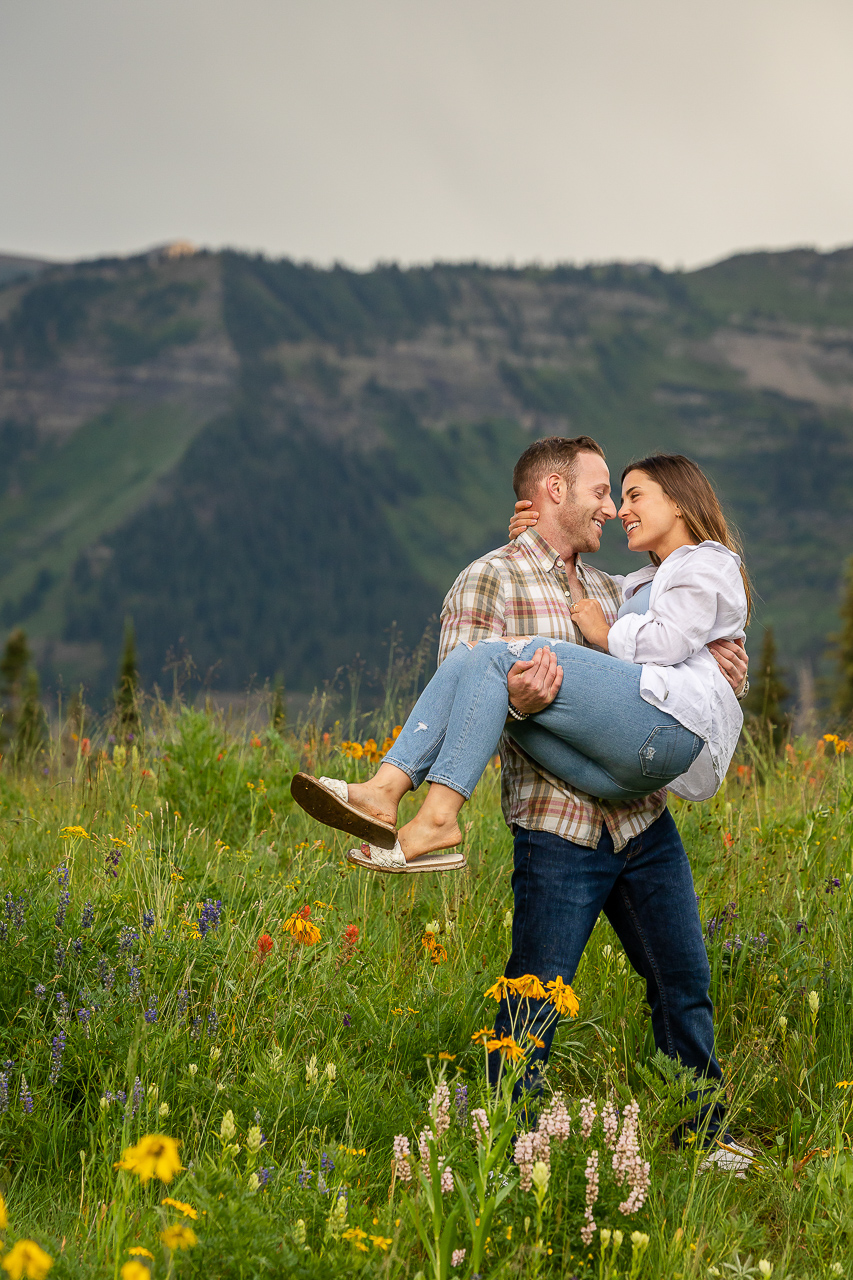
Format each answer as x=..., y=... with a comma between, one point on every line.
x=598, y=734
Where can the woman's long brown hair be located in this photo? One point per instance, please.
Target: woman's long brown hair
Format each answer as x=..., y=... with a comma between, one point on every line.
x=689, y=488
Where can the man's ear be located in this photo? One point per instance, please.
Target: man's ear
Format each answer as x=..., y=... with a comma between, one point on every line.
x=554, y=488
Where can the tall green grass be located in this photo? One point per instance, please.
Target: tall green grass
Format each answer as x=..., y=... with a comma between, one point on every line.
x=188, y=850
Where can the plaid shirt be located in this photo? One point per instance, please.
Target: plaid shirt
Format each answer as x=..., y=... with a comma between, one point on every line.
x=522, y=589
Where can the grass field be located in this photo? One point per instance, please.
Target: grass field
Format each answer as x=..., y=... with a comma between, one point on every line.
x=186, y=955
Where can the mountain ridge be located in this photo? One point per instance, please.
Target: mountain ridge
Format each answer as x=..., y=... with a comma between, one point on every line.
x=265, y=464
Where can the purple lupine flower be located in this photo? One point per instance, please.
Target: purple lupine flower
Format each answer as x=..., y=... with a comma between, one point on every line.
x=327, y=1164
x=62, y=875
x=461, y=1102
x=183, y=1002
x=106, y=975
x=212, y=1022
x=84, y=1017
x=10, y=905
x=137, y=1095
x=210, y=915
x=347, y=1020
x=134, y=974
x=64, y=1007
x=321, y=1185
x=832, y=883
x=56, y=1052
x=713, y=926
x=264, y=1176
x=735, y=944
x=257, y=1116
x=4, y=1091
x=151, y=1011
x=26, y=1097
x=801, y=927
x=41, y=991
x=77, y=946
x=19, y=915
x=87, y=919
x=305, y=1175
x=121, y=1096
x=127, y=940
x=4, y=931
x=148, y=920
x=760, y=941
x=196, y=1027
x=62, y=909
x=112, y=858
x=59, y=957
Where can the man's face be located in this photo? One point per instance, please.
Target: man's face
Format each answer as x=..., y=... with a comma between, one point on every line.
x=587, y=505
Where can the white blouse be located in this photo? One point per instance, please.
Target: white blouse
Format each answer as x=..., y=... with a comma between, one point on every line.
x=697, y=596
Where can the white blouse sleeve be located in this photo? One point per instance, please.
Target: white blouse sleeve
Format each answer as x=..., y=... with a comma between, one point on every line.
x=684, y=615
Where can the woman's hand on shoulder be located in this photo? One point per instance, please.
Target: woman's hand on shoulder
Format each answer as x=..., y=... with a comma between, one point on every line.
x=523, y=518
x=589, y=617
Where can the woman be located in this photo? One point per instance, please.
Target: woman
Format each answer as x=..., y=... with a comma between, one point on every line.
x=646, y=708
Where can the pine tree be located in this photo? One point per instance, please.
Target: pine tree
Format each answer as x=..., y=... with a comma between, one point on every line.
x=13, y=665
x=767, y=692
x=31, y=730
x=127, y=689
x=843, y=700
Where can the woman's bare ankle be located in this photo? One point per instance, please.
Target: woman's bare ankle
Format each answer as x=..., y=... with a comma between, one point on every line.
x=429, y=835
x=374, y=801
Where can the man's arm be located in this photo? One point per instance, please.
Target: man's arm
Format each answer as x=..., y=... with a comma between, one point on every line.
x=474, y=609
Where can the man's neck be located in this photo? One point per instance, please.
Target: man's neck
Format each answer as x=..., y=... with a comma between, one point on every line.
x=556, y=538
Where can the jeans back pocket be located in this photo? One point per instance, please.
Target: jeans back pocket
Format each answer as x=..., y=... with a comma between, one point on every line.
x=668, y=751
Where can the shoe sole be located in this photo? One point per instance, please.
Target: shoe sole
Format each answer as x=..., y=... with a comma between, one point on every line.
x=321, y=804
x=429, y=862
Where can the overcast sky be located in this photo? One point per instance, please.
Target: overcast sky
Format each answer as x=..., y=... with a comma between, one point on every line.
x=505, y=130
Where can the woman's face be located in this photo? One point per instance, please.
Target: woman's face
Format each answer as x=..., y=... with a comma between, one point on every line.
x=650, y=519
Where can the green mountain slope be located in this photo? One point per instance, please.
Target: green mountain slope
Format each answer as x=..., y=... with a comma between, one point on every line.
x=266, y=464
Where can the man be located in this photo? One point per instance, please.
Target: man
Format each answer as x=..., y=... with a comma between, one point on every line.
x=576, y=856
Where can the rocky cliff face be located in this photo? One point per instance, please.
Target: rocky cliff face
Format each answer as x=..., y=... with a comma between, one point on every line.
x=265, y=465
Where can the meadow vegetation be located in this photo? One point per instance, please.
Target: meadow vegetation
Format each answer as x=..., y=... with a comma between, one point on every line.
x=226, y=1053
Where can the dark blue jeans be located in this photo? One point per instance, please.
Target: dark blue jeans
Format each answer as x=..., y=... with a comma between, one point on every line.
x=647, y=894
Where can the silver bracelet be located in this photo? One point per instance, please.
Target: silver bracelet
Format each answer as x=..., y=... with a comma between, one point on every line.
x=516, y=714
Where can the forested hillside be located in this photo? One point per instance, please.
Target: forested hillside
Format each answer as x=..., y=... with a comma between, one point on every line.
x=264, y=465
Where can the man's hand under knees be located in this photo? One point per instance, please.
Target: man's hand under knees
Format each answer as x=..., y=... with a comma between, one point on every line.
x=534, y=685
x=733, y=662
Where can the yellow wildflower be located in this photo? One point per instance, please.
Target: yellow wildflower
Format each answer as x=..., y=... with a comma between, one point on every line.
x=356, y=1237
x=154, y=1156
x=301, y=930
x=26, y=1259
x=540, y=1044
x=529, y=986
x=138, y=1252
x=507, y=1046
x=381, y=1242
x=74, y=833
x=498, y=989
x=134, y=1270
x=562, y=997
x=446, y=1057
x=186, y=1209
x=4, y=1217
x=179, y=1237
x=485, y=1033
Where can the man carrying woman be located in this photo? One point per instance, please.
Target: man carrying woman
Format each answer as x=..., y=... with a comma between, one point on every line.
x=601, y=841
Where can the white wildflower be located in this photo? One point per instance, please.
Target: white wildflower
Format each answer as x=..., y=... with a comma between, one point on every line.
x=193, y=1069
x=312, y=1073
x=228, y=1129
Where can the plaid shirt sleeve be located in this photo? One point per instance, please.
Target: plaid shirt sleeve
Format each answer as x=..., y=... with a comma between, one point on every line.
x=473, y=607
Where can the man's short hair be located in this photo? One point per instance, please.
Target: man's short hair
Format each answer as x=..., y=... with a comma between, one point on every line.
x=554, y=453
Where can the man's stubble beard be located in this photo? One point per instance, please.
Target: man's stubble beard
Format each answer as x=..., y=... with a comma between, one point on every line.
x=576, y=527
